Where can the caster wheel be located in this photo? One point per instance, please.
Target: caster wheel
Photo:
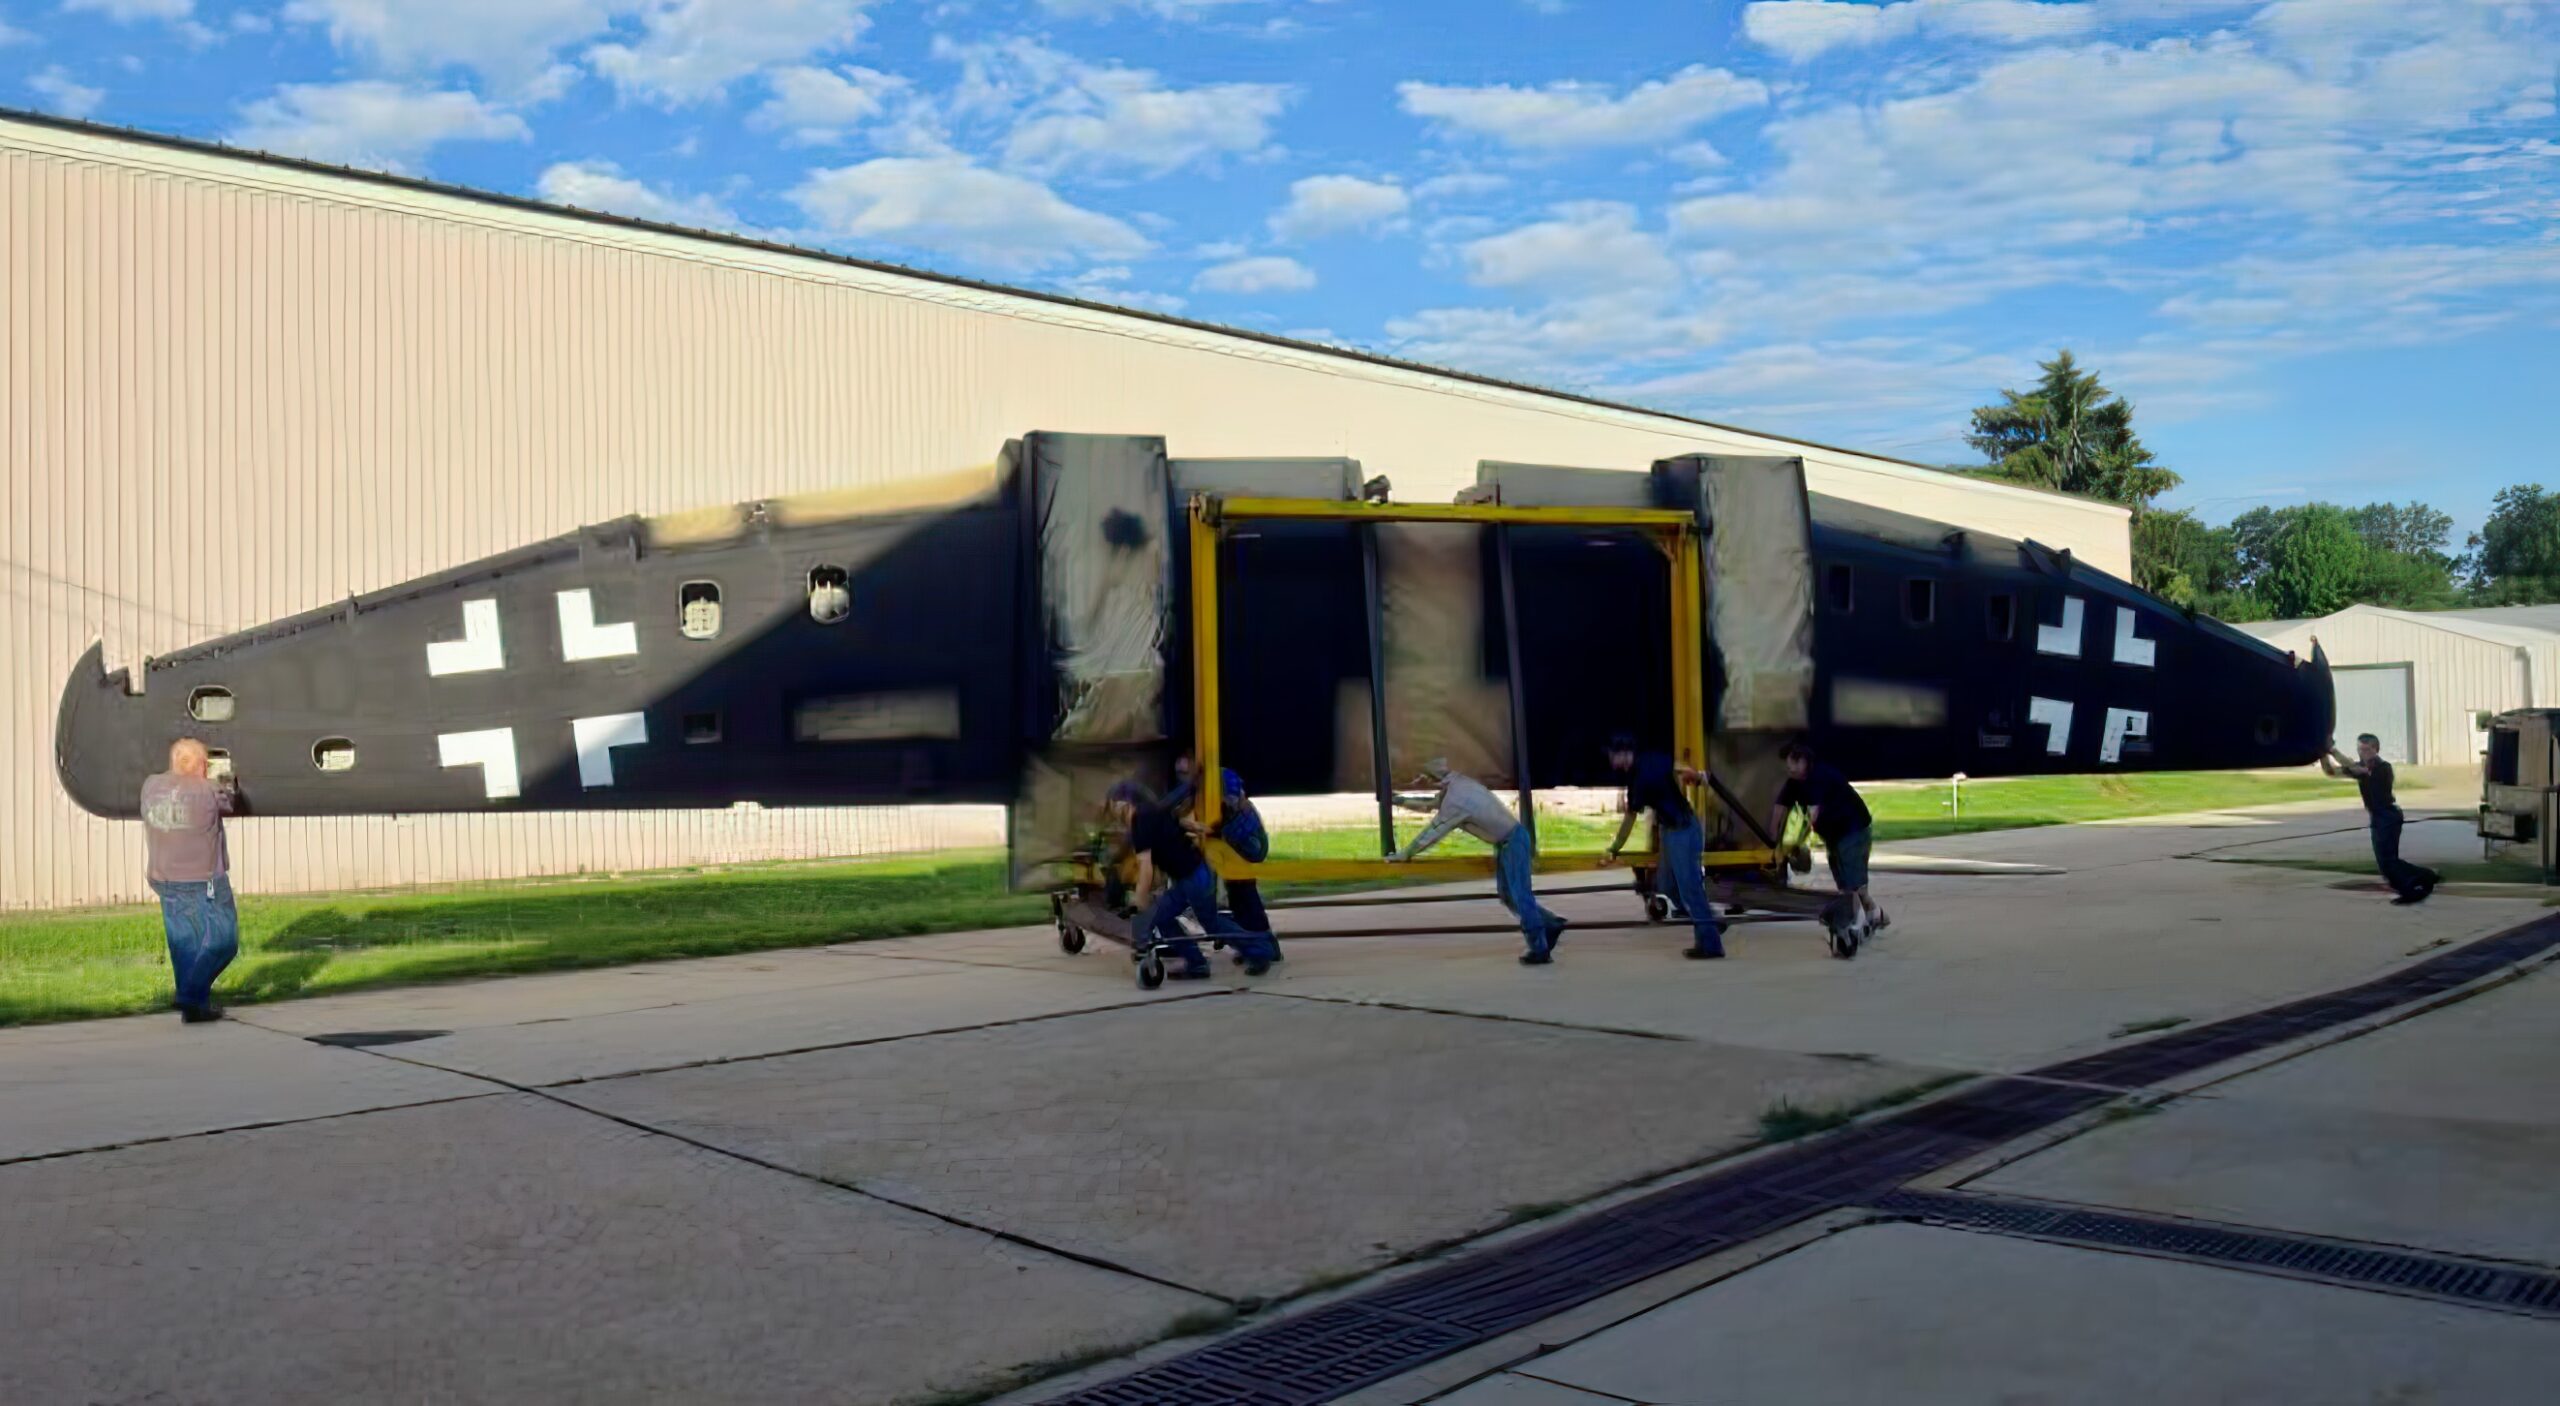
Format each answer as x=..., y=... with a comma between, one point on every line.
x=1070, y=939
x=1150, y=973
x=1844, y=941
x=1657, y=907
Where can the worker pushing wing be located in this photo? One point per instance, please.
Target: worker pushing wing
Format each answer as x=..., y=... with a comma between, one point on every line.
x=1463, y=803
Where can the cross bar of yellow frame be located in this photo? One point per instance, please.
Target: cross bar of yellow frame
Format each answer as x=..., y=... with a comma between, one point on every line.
x=1688, y=706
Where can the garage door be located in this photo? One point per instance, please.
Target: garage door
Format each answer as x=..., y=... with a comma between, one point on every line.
x=2375, y=698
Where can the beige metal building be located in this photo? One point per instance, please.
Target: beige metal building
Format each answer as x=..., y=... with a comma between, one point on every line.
x=2420, y=681
x=238, y=387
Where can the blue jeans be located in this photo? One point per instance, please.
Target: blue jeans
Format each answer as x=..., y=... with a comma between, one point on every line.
x=1513, y=861
x=2404, y=877
x=1198, y=896
x=1849, y=855
x=1243, y=832
x=1684, y=869
x=204, y=934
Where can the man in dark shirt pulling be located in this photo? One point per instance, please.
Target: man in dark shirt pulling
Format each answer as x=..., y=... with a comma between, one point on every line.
x=1170, y=862
x=1840, y=817
x=1653, y=783
x=2410, y=882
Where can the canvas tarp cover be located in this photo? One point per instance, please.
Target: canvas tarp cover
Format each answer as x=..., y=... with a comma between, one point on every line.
x=1105, y=582
x=1759, y=590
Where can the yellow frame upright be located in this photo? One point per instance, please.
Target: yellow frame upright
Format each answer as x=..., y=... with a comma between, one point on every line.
x=1675, y=534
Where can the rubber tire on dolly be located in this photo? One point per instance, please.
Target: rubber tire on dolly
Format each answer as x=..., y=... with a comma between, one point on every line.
x=1150, y=972
x=1844, y=939
x=1070, y=939
x=1657, y=907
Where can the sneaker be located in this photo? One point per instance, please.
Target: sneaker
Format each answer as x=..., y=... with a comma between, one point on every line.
x=1883, y=920
x=1188, y=974
x=198, y=1015
x=1555, y=935
x=1256, y=968
x=1535, y=959
x=1704, y=954
x=2409, y=900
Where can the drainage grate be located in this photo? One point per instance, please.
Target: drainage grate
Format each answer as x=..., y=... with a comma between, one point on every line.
x=2494, y=1286
x=1337, y=1350
x=367, y=1039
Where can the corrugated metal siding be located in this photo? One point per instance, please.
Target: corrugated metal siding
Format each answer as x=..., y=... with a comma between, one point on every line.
x=2453, y=675
x=236, y=392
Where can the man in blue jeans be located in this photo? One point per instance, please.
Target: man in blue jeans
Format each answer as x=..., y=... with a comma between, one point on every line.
x=182, y=810
x=1653, y=784
x=1465, y=804
x=1167, y=857
x=1240, y=825
x=1840, y=818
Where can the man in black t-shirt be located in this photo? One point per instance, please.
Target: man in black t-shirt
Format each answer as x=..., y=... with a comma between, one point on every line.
x=2411, y=883
x=1173, y=878
x=1655, y=783
x=1839, y=816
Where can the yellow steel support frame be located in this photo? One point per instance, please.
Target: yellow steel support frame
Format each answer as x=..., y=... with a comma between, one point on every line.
x=1677, y=534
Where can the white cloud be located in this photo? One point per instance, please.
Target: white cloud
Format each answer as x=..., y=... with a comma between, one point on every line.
x=1593, y=247
x=369, y=123
x=690, y=50
x=1109, y=283
x=2100, y=145
x=1061, y=113
x=1876, y=386
x=1570, y=116
x=511, y=42
x=1163, y=9
x=56, y=92
x=1266, y=274
x=1461, y=184
x=601, y=185
x=816, y=106
x=948, y=205
x=10, y=36
x=128, y=11
x=1322, y=205
x=1801, y=30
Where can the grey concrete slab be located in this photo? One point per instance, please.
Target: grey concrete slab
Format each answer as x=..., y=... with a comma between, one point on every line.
x=508, y=1249
x=2440, y=1184
x=2436, y=839
x=1977, y=972
x=1913, y=1315
x=1244, y=1145
x=2440, y=1131
x=2486, y=1059
x=101, y=1083
x=471, y=1005
x=1511, y=1389
x=889, y=1000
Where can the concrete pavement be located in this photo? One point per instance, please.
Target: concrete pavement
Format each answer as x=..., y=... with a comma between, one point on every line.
x=898, y=1170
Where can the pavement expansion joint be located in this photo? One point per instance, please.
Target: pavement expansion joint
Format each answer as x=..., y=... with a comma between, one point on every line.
x=1494, y=1016
x=2506, y=1287
x=401, y=1105
x=1344, y=1346
x=559, y=1100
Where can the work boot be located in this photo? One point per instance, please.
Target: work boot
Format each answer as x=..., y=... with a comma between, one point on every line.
x=1555, y=935
x=1704, y=954
x=198, y=1015
x=1536, y=957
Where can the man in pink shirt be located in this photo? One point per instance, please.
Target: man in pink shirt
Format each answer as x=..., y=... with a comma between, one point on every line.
x=182, y=810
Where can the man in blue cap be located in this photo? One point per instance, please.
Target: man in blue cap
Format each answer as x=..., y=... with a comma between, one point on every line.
x=1654, y=784
x=1240, y=825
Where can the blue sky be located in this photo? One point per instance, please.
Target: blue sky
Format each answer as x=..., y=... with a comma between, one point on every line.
x=2316, y=241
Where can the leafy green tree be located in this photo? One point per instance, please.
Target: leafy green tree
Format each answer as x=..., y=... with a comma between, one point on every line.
x=2314, y=562
x=2412, y=529
x=2070, y=433
x=2179, y=559
x=2516, y=553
